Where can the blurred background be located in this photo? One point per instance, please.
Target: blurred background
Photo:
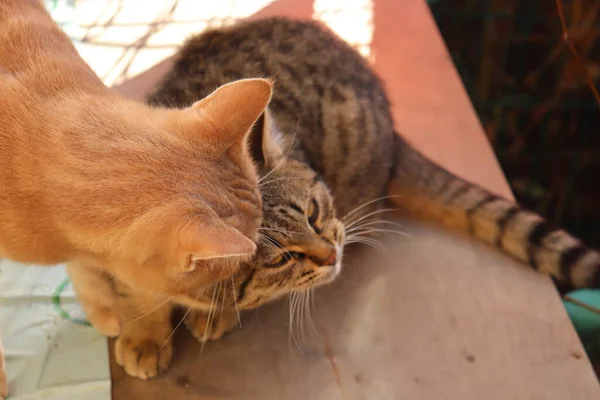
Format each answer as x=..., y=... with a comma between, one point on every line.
x=533, y=100
x=536, y=102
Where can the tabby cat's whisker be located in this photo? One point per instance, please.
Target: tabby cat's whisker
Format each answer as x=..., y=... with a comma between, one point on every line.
x=369, y=242
x=377, y=222
x=237, y=309
x=302, y=318
x=291, y=323
x=372, y=213
x=309, y=307
x=287, y=233
x=293, y=316
x=275, y=243
x=365, y=231
x=367, y=204
x=262, y=184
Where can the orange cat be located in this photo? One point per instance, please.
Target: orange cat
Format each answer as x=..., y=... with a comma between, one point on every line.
x=165, y=200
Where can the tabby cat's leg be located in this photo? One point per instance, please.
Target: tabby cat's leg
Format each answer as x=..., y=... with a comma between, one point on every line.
x=95, y=292
x=221, y=322
x=145, y=346
x=3, y=379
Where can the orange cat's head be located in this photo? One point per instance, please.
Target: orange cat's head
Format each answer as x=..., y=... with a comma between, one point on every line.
x=190, y=190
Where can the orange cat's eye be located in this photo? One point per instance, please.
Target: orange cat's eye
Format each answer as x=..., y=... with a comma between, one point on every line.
x=313, y=213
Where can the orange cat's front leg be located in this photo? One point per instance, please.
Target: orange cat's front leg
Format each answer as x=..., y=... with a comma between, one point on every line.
x=144, y=347
x=96, y=294
x=204, y=327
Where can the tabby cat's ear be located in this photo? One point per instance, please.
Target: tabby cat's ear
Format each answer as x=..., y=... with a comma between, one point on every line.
x=230, y=111
x=265, y=146
x=210, y=241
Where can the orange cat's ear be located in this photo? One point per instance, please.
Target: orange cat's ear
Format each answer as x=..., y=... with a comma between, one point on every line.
x=210, y=241
x=265, y=146
x=232, y=109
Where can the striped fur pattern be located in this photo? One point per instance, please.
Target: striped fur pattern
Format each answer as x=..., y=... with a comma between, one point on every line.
x=328, y=139
x=432, y=193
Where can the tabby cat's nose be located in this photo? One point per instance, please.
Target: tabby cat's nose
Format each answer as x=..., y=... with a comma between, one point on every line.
x=332, y=258
x=326, y=259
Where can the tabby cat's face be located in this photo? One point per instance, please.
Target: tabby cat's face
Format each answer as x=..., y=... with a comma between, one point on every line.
x=302, y=241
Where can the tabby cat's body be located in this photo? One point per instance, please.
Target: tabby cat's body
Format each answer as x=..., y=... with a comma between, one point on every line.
x=333, y=107
x=327, y=146
x=326, y=99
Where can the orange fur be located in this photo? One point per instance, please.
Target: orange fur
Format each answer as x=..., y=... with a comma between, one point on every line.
x=165, y=200
x=88, y=175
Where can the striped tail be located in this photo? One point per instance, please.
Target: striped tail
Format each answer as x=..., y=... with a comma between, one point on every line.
x=427, y=191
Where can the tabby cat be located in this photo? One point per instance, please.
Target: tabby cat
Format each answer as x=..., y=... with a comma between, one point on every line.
x=325, y=146
x=165, y=200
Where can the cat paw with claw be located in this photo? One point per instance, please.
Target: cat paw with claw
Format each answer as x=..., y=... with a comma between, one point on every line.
x=196, y=321
x=144, y=357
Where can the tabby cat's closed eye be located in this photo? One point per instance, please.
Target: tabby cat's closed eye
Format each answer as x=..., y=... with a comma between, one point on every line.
x=313, y=214
x=284, y=258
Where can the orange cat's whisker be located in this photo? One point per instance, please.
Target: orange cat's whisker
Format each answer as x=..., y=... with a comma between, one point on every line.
x=234, y=295
x=212, y=309
x=181, y=321
x=148, y=312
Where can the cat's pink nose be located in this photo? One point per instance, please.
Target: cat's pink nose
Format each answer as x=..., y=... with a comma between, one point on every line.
x=332, y=258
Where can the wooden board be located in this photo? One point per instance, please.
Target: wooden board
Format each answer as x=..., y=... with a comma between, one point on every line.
x=446, y=319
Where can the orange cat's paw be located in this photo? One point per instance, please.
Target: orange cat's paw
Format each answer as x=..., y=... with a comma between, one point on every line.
x=104, y=320
x=143, y=357
x=196, y=321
